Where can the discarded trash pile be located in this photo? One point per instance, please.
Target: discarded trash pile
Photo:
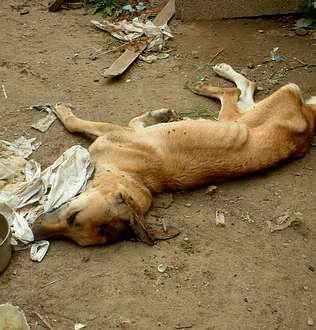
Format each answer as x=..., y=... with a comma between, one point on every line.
x=129, y=31
x=26, y=191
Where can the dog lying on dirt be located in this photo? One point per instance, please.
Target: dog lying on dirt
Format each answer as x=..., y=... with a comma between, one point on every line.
x=155, y=154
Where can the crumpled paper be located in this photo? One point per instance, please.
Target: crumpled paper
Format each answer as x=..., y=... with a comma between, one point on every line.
x=44, y=124
x=22, y=147
x=129, y=31
x=44, y=191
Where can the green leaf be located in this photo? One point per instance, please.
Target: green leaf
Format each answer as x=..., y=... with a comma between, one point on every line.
x=304, y=22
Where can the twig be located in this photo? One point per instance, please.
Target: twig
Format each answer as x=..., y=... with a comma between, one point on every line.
x=50, y=283
x=189, y=326
x=214, y=57
x=164, y=225
x=44, y=321
x=115, y=49
x=282, y=73
x=168, y=50
x=4, y=92
x=299, y=61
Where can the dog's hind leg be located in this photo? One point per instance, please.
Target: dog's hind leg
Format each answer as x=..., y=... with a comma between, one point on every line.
x=247, y=87
x=227, y=96
x=77, y=125
x=152, y=118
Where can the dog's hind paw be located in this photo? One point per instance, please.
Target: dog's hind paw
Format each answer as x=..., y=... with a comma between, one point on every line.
x=223, y=70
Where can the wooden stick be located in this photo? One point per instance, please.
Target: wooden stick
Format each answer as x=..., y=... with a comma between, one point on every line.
x=164, y=225
x=4, y=92
x=50, y=283
x=213, y=58
x=115, y=49
x=44, y=321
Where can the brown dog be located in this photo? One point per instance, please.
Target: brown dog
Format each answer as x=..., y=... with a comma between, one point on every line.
x=154, y=155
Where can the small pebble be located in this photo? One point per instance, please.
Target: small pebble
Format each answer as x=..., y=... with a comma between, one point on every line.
x=310, y=321
x=211, y=190
x=301, y=32
x=311, y=268
x=24, y=11
x=162, y=268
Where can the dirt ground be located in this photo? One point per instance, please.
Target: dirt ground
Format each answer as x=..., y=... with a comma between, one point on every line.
x=236, y=277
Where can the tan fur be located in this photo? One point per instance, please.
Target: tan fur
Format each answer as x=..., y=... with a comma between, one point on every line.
x=132, y=163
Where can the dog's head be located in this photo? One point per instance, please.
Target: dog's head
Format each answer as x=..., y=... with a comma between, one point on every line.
x=94, y=218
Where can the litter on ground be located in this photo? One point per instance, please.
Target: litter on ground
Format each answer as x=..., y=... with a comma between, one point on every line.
x=22, y=147
x=129, y=31
x=220, y=219
x=282, y=223
x=43, y=191
x=44, y=124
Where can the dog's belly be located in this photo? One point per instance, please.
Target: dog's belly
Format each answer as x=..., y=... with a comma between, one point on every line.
x=185, y=155
x=202, y=152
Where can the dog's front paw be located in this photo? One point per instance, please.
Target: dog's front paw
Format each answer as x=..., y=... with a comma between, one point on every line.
x=164, y=115
x=63, y=111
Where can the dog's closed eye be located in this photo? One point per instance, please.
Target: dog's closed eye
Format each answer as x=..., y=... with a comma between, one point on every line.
x=71, y=219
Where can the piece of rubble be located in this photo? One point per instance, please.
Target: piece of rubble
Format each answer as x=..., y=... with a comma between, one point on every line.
x=211, y=190
x=282, y=223
x=310, y=321
x=162, y=268
x=220, y=219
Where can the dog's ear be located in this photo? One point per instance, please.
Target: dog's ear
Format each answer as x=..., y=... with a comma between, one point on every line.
x=137, y=221
x=140, y=230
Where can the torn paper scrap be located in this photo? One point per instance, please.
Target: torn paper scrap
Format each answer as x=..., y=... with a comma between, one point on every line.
x=153, y=58
x=44, y=124
x=282, y=223
x=220, y=219
x=39, y=250
x=22, y=147
x=19, y=226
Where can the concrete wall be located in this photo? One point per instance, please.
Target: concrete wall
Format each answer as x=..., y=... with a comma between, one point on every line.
x=188, y=10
